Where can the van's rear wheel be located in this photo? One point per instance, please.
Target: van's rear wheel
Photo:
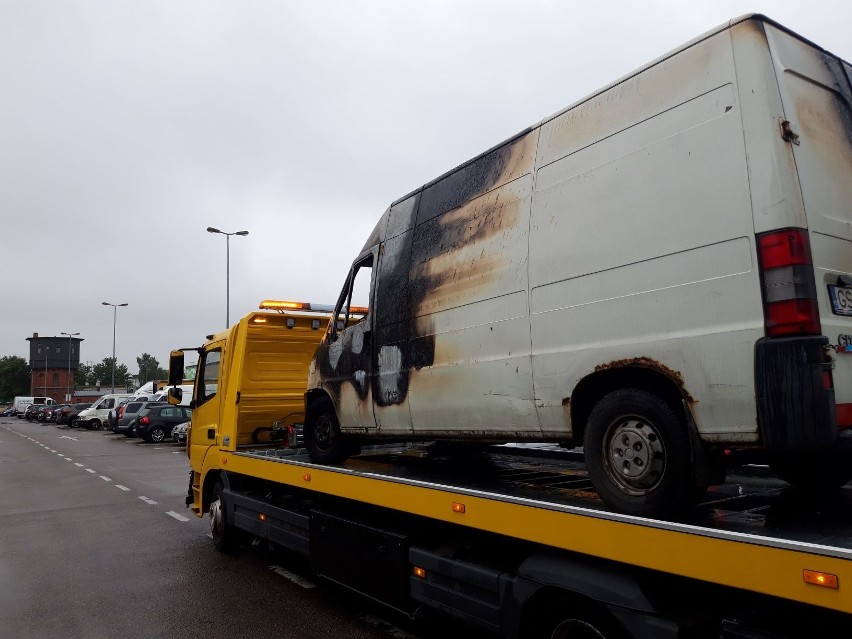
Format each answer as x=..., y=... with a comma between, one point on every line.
x=322, y=435
x=95, y=424
x=638, y=454
x=813, y=470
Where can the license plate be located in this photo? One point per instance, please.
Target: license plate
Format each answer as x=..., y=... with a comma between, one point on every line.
x=841, y=299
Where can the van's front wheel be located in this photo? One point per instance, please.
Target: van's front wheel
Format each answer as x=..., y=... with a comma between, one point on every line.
x=639, y=455
x=322, y=435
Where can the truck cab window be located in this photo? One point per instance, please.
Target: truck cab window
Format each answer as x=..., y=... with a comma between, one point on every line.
x=209, y=375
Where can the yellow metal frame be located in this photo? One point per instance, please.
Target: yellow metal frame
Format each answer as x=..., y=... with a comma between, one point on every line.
x=739, y=562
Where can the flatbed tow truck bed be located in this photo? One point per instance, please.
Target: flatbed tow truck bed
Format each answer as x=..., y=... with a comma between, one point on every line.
x=753, y=534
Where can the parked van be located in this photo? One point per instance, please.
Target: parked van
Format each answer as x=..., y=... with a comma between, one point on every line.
x=19, y=404
x=98, y=413
x=659, y=273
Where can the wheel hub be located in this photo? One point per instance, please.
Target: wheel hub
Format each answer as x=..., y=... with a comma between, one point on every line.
x=216, y=517
x=635, y=453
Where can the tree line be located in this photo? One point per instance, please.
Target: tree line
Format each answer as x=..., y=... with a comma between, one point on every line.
x=15, y=374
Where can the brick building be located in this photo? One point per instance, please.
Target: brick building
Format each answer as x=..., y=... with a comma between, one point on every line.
x=50, y=361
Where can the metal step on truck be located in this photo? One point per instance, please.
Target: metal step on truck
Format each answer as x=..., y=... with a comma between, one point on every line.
x=511, y=539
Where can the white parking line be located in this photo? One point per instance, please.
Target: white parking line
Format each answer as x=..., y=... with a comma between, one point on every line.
x=104, y=477
x=296, y=579
x=79, y=464
x=68, y=459
x=89, y=470
x=172, y=513
x=176, y=452
x=120, y=487
x=148, y=501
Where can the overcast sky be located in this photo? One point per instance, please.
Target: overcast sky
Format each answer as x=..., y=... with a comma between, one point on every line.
x=127, y=128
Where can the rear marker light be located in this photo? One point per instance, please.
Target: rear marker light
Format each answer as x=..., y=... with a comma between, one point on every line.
x=824, y=579
x=789, y=291
x=417, y=571
x=306, y=477
x=457, y=507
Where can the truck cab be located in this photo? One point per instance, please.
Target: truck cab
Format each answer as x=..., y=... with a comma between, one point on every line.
x=250, y=383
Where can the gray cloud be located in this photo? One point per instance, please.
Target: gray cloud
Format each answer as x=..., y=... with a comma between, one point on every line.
x=128, y=128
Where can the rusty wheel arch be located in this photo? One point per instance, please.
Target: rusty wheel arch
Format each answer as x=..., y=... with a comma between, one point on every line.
x=640, y=372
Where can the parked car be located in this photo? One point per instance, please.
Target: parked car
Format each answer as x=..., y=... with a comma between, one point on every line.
x=51, y=412
x=155, y=424
x=94, y=416
x=42, y=412
x=115, y=413
x=131, y=410
x=179, y=432
x=69, y=414
x=31, y=410
x=9, y=411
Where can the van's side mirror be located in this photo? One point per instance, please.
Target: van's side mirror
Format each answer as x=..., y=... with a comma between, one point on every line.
x=175, y=396
x=175, y=368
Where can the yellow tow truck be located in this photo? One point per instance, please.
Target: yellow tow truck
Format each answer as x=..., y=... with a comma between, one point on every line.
x=512, y=539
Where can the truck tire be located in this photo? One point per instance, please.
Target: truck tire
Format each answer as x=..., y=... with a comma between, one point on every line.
x=813, y=470
x=573, y=620
x=94, y=424
x=224, y=535
x=322, y=435
x=639, y=455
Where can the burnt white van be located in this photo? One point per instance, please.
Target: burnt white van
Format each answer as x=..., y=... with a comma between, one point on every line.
x=660, y=273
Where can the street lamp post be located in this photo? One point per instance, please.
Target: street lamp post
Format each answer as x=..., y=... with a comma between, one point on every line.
x=210, y=229
x=114, y=312
x=70, y=335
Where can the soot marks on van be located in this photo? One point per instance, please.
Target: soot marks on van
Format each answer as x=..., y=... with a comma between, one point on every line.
x=344, y=360
x=427, y=253
x=492, y=169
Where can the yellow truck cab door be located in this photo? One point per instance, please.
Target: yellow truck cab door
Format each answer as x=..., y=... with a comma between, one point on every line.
x=206, y=406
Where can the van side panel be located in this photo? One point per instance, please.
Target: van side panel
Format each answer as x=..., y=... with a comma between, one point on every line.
x=468, y=298
x=642, y=242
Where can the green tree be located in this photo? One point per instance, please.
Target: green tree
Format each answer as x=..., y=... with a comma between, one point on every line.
x=83, y=376
x=14, y=377
x=149, y=369
x=102, y=372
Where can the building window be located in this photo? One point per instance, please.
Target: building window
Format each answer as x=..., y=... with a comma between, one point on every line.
x=39, y=350
x=58, y=350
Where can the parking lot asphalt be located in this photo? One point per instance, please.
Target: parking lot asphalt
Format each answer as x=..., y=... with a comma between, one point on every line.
x=96, y=541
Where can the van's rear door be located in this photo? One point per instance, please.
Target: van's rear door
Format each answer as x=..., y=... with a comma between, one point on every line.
x=817, y=98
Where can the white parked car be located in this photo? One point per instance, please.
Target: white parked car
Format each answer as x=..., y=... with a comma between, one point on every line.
x=179, y=432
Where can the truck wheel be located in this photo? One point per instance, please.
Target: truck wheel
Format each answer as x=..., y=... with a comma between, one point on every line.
x=322, y=435
x=639, y=455
x=224, y=535
x=813, y=470
x=95, y=424
x=569, y=620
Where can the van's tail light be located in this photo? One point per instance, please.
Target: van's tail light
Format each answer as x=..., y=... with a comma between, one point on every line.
x=789, y=291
